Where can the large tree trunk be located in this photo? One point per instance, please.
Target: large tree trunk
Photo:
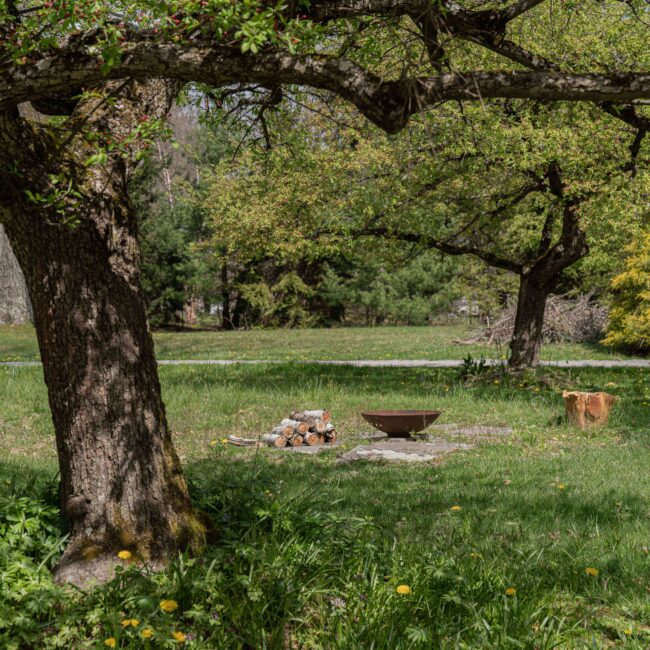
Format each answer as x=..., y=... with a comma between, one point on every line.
x=526, y=339
x=121, y=482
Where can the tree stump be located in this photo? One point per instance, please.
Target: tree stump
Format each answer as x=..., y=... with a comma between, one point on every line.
x=586, y=410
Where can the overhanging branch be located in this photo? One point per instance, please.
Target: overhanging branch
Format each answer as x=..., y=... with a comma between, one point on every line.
x=387, y=103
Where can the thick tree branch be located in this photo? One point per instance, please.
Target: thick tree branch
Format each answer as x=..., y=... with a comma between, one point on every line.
x=387, y=103
x=451, y=249
x=516, y=9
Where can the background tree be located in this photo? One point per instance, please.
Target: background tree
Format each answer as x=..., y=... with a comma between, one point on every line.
x=14, y=301
x=521, y=187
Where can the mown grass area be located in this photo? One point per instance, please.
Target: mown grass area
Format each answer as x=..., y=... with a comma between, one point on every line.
x=311, y=552
x=18, y=343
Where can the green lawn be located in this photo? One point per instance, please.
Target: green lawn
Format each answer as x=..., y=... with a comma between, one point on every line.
x=18, y=343
x=310, y=553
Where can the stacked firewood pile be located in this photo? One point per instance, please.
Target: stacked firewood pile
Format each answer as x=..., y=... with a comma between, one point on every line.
x=302, y=428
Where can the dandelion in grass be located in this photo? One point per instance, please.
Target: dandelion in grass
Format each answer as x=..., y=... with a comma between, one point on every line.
x=403, y=589
x=110, y=642
x=125, y=555
x=510, y=591
x=224, y=441
x=456, y=508
x=146, y=633
x=168, y=605
x=628, y=631
x=475, y=556
x=179, y=636
x=213, y=443
x=591, y=571
x=561, y=486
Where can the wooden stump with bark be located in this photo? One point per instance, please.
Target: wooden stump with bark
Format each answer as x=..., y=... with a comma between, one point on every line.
x=586, y=410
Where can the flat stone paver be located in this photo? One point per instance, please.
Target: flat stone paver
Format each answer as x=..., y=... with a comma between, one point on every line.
x=403, y=450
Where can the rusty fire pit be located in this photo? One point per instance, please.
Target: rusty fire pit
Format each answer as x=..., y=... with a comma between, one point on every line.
x=399, y=424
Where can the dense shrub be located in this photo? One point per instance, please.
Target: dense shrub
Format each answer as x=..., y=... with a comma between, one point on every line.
x=629, y=316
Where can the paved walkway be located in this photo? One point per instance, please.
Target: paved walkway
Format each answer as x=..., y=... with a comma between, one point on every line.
x=383, y=363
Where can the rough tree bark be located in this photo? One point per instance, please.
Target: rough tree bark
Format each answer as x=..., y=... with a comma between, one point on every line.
x=526, y=342
x=540, y=277
x=121, y=480
x=15, y=307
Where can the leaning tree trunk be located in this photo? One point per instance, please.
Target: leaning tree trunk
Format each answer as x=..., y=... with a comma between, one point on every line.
x=121, y=482
x=527, y=336
x=539, y=278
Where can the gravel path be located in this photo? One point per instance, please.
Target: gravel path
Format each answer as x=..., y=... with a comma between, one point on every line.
x=383, y=363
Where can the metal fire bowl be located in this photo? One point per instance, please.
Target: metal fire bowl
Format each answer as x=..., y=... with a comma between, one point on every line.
x=398, y=424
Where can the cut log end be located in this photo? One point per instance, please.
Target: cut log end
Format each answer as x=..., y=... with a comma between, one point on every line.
x=311, y=438
x=274, y=440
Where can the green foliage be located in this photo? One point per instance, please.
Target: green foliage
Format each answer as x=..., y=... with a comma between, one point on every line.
x=472, y=367
x=379, y=289
x=173, y=269
x=629, y=316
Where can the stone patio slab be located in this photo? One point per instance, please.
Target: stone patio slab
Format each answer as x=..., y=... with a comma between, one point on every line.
x=403, y=450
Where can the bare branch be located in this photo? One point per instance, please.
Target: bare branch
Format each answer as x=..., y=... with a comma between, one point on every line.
x=452, y=249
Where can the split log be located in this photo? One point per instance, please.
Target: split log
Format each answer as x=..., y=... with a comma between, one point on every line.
x=321, y=439
x=311, y=438
x=310, y=417
x=274, y=440
x=330, y=433
x=587, y=410
x=242, y=442
x=319, y=426
x=283, y=430
x=297, y=425
x=295, y=440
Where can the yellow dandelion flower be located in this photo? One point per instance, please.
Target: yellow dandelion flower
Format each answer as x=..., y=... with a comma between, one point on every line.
x=146, y=633
x=224, y=440
x=627, y=631
x=213, y=443
x=126, y=622
x=510, y=591
x=179, y=636
x=561, y=486
x=110, y=642
x=135, y=622
x=591, y=571
x=403, y=589
x=475, y=556
x=125, y=555
x=456, y=508
x=168, y=605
